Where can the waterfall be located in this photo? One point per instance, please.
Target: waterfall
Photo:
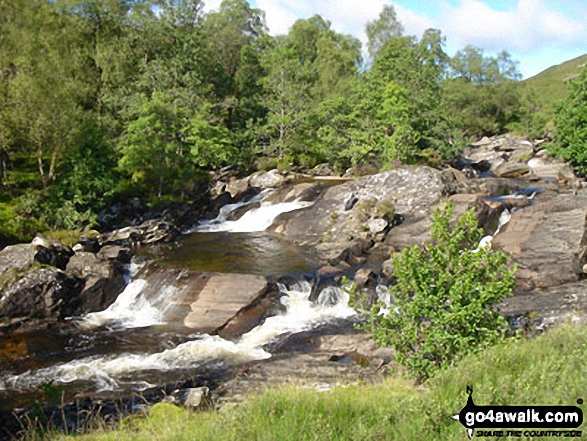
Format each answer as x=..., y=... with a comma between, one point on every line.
x=111, y=371
x=255, y=220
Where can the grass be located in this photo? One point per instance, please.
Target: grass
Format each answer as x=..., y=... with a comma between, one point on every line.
x=547, y=370
x=550, y=85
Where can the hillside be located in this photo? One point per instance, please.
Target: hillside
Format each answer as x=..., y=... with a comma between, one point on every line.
x=551, y=84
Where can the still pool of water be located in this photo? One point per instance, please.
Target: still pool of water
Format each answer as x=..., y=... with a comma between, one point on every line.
x=246, y=253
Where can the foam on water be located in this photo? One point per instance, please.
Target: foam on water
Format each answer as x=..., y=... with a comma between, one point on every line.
x=106, y=371
x=111, y=371
x=301, y=314
x=131, y=309
x=227, y=210
x=255, y=220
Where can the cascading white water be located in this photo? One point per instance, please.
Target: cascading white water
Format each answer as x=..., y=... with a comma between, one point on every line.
x=145, y=303
x=301, y=314
x=108, y=372
x=255, y=220
x=226, y=210
x=132, y=309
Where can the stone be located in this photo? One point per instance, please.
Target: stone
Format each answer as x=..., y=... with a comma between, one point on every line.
x=550, y=168
x=322, y=170
x=387, y=268
x=364, y=276
x=221, y=298
x=196, y=398
x=377, y=225
x=546, y=240
x=350, y=202
x=270, y=179
x=511, y=170
x=236, y=187
x=409, y=192
x=306, y=191
x=41, y=293
x=114, y=252
x=485, y=141
x=555, y=303
x=522, y=154
x=127, y=236
x=16, y=259
x=104, y=280
x=56, y=255
x=327, y=270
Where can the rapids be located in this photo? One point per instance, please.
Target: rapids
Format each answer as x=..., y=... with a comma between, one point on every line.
x=145, y=307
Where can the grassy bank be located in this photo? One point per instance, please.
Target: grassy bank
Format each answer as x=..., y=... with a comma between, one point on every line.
x=550, y=369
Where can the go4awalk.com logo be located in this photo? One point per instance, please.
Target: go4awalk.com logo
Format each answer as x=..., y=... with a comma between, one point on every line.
x=520, y=421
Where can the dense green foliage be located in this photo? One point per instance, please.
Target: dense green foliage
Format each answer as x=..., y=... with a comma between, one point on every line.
x=571, y=125
x=443, y=301
x=111, y=99
x=547, y=370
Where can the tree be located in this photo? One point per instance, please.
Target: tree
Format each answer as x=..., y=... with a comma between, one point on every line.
x=483, y=95
x=230, y=31
x=383, y=29
x=152, y=145
x=407, y=65
x=211, y=143
x=571, y=125
x=286, y=97
x=44, y=84
x=442, y=306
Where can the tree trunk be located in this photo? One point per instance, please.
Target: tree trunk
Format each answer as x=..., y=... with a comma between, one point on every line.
x=40, y=164
x=52, y=165
x=160, y=188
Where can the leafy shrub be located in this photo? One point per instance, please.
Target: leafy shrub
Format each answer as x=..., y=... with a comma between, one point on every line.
x=444, y=297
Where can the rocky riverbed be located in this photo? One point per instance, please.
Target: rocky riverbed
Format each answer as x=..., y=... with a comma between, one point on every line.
x=315, y=230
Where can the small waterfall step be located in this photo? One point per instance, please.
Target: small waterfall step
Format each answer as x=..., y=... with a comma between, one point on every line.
x=201, y=302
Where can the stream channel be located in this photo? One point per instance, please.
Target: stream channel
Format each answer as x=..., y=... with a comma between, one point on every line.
x=140, y=342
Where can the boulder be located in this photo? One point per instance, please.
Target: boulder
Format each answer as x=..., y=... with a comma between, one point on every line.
x=377, y=225
x=556, y=303
x=196, y=398
x=333, y=226
x=55, y=255
x=41, y=293
x=237, y=187
x=15, y=259
x=550, y=168
x=220, y=298
x=149, y=232
x=511, y=170
x=322, y=170
x=104, y=280
x=270, y=179
x=547, y=240
x=365, y=276
x=159, y=231
x=114, y=253
x=387, y=268
x=127, y=236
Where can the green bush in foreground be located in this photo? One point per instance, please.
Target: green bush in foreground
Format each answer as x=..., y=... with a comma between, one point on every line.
x=444, y=297
x=547, y=370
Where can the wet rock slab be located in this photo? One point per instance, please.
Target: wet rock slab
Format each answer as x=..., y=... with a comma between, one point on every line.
x=321, y=359
x=547, y=241
x=220, y=299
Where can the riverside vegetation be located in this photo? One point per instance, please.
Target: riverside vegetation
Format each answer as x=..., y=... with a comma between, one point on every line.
x=104, y=100
x=442, y=305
